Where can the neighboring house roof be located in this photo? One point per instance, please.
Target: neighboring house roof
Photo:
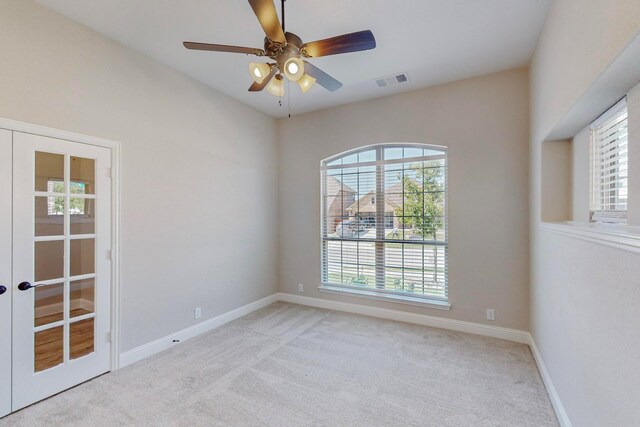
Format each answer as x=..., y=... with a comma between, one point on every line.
x=338, y=195
x=392, y=201
x=334, y=185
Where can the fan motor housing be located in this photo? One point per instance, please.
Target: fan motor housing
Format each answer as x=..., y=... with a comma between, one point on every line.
x=282, y=52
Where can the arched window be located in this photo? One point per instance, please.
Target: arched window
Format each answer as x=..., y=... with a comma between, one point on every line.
x=384, y=222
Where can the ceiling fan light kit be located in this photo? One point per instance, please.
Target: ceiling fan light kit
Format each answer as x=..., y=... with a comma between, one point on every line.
x=276, y=86
x=287, y=50
x=259, y=71
x=306, y=82
x=294, y=69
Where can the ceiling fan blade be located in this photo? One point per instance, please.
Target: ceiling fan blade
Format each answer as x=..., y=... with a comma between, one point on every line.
x=265, y=10
x=257, y=87
x=322, y=78
x=353, y=42
x=223, y=48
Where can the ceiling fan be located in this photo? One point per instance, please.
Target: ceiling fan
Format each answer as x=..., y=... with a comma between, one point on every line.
x=287, y=50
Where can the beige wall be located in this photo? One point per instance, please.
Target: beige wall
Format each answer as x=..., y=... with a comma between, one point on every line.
x=484, y=122
x=584, y=296
x=584, y=319
x=198, y=168
x=556, y=181
x=580, y=167
x=580, y=39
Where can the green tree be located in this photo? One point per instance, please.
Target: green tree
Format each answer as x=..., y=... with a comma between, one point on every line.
x=423, y=208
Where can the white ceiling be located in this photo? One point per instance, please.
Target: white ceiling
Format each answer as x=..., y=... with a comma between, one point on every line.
x=434, y=41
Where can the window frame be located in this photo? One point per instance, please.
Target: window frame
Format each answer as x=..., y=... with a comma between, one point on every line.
x=380, y=240
x=596, y=211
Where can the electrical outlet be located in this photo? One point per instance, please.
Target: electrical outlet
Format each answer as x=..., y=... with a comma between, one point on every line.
x=197, y=313
x=491, y=314
x=300, y=287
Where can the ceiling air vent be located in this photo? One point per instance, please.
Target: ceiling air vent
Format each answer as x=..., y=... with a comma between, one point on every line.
x=392, y=80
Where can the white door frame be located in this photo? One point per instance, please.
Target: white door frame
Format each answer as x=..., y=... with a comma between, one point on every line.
x=114, y=147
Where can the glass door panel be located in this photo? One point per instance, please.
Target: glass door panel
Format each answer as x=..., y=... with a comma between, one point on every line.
x=49, y=260
x=82, y=257
x=82, y=215
x=48, y=304
x=82, y=175
x=49, y=172
x=48, y=348
x=81, y=338
x=49, y=215
x=82, y=297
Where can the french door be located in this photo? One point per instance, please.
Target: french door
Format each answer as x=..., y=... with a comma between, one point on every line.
x=61, y=268
x=5, y=272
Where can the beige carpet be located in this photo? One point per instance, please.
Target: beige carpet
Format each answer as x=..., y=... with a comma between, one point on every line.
x=288, y=365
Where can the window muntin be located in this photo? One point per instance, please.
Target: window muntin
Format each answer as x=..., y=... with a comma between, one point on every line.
x=384, y=224
x=610, y=165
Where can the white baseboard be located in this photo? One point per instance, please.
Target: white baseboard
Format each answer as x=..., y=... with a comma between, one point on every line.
x=149, y=349
x=558, y=407
x=419, y=319
x=515, y=335
x=523, y=337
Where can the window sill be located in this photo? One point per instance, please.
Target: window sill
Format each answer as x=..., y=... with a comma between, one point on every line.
x=624, y=237
x=402, y=299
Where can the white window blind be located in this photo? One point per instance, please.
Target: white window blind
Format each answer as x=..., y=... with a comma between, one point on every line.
x=384, y=224
x=609, y=165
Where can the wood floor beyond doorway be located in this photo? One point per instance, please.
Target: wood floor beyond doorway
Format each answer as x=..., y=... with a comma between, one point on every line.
x=49, y=343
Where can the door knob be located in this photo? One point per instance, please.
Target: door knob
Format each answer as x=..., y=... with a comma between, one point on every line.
x=3, y=289
x=25, y=286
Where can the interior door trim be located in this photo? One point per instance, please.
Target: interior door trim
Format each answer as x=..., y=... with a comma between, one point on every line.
x=114, y=147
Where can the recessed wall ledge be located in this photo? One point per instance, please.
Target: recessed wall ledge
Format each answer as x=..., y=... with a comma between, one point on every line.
x=614, y=82
x=623, y=237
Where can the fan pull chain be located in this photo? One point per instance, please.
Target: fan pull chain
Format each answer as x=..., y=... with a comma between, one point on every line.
x=289, y=95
